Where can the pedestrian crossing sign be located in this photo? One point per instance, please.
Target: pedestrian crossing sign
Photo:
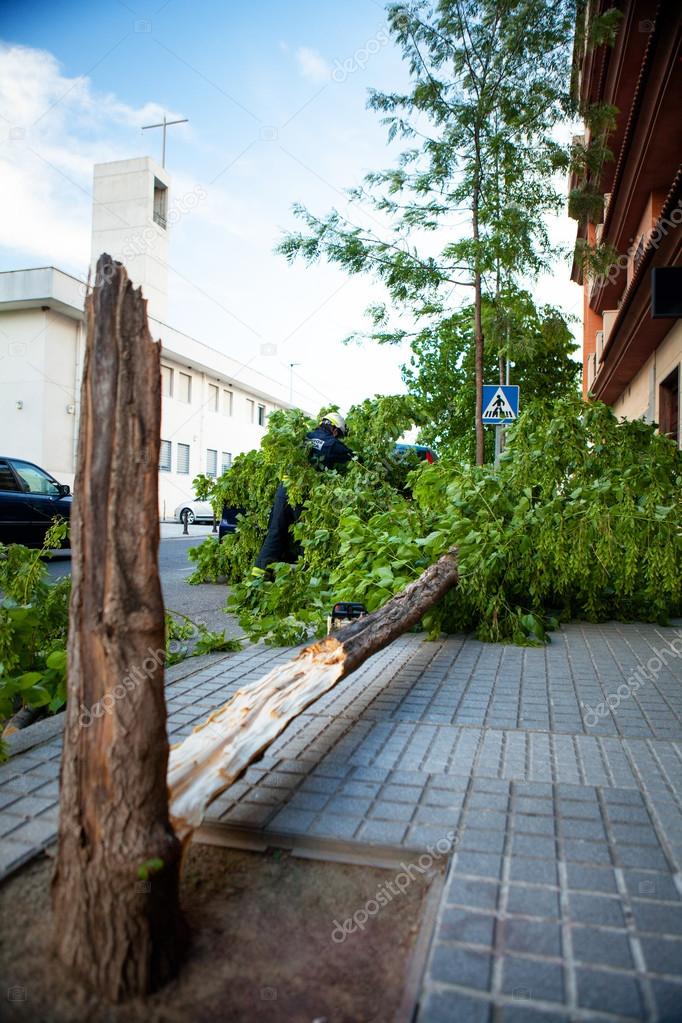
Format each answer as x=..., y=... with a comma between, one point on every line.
x=500, y=403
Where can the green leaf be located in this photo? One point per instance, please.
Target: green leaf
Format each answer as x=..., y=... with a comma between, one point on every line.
x=149, y=868
x=38, y=696
x=57, y=660
x=29, y=679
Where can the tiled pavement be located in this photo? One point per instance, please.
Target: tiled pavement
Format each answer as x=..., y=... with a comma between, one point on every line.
x=563, y=898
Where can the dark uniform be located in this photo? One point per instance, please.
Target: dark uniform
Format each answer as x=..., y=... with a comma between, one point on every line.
x=326, y=452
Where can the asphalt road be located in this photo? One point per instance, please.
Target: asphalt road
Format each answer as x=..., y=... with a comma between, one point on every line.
x=203, y=603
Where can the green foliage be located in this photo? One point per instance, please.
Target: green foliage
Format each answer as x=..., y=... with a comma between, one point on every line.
x=583, y=519
x=34, y=617
x=34, y=622
x=586, y=204
x=187, y=638
x=213, y=561
x=440, y=373
x=150, y=867
x=596, y=260
x=489, y=81
x=604, y=28
x=251, y=482
x=284, y=610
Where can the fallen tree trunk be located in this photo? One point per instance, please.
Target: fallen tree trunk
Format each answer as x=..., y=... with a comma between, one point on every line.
x=219, y=749
x=117, y=922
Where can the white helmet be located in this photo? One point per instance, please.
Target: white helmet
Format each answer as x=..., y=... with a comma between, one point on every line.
x=336, y=420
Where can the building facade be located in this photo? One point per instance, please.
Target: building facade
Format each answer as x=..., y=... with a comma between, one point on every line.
x=632, y=346
x=213, y=408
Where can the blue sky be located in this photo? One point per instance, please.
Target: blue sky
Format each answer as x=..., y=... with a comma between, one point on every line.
x=274, y=119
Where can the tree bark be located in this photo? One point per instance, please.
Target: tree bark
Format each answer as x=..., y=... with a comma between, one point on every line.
x=117, y=922
x=220, y=748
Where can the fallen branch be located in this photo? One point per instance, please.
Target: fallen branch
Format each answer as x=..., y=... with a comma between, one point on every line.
x=220, y=748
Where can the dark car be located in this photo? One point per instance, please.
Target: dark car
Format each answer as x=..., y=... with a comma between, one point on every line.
x=29, y=500
x=228, y=521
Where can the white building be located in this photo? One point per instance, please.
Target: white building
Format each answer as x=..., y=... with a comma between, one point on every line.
x=212, y=408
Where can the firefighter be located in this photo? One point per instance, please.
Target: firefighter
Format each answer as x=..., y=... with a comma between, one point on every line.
x=326, y=451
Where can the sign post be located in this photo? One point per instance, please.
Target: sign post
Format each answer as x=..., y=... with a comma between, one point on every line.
x=500, y=406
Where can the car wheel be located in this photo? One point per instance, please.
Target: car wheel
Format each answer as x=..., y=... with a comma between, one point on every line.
x=190, y=515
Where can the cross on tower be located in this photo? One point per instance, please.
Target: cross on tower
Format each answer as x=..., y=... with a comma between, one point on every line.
x=164, y=124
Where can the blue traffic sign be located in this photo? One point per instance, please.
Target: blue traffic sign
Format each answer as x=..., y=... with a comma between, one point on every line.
x=500, y=403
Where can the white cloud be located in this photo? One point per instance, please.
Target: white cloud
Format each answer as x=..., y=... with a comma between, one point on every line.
x=226, y=286
x=312, y=65
x=59, y=128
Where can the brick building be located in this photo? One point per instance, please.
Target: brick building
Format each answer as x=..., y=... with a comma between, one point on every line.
x=631, y=353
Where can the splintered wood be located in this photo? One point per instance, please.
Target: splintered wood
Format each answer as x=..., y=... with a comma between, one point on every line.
x=223, y=746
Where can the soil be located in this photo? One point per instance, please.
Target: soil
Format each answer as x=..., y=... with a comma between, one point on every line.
x=261, y=946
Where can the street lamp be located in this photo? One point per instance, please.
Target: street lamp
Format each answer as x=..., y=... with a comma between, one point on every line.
x=291, y=381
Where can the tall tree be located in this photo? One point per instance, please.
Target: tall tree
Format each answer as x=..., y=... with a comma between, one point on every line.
x=489, y=82
x=440, y=374
x=115, y=889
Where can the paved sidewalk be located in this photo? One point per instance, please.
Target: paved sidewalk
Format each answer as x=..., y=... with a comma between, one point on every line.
x=169, y=529
x=563, y=899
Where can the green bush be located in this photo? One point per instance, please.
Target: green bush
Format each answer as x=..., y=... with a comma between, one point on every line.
x=34, y=623
x=34, y=618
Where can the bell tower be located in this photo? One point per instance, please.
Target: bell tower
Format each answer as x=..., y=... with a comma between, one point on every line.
x=130, y=222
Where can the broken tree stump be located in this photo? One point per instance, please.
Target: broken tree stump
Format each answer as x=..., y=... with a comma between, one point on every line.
x=117, y=922
x=219, y=749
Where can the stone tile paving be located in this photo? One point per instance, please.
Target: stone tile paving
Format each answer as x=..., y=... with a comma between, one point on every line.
x=29, y=789
x=559, y=770
x=575, y=914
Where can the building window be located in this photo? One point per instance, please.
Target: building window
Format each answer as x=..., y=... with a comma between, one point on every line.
x=166, y=382
x=165, y=456
x=184, y=388
x=160, y=203
x=261, y=415
x=669, y=406
x=211, y=462
x=226, y=461
x=213, y=397
x=250, y=409
x=227, y=402
x=182, y=458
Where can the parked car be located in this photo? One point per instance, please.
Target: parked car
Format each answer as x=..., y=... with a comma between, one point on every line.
x=29, y=500
x=424, y=453
x=197, y=511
